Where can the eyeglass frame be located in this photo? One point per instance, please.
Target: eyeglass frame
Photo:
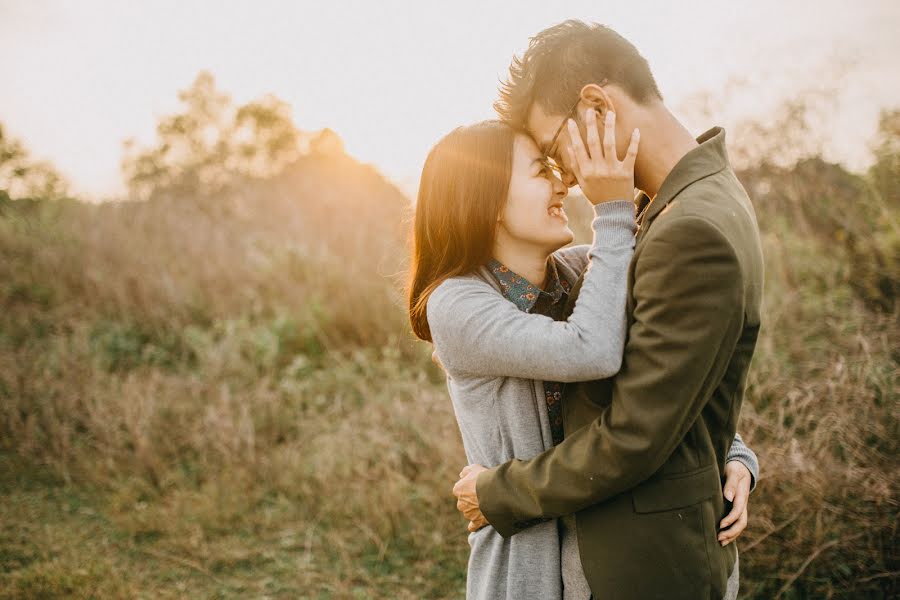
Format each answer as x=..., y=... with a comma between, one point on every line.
x=552, y=165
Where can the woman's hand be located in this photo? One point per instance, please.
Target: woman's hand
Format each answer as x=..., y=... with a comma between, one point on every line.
x=600, y=173
x=467, y=498
x=737, y=490
x=436, y=360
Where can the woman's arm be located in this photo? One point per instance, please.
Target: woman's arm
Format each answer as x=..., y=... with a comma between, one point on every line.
x=477, y=331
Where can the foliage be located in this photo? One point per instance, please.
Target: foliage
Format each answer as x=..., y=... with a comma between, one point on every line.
x=212, y=143
x=21, y=177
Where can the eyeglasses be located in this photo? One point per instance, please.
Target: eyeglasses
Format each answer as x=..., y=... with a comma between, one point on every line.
x=571, y=114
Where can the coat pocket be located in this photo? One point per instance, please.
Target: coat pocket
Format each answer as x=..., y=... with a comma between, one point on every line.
x=676, y=491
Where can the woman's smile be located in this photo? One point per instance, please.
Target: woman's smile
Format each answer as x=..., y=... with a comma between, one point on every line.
x=557, y=210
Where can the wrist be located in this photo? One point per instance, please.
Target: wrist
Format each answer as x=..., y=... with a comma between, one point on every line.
x=612, y=195
x=746, y=467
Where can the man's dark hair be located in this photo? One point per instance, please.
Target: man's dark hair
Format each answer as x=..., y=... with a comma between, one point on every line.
x=563, y=59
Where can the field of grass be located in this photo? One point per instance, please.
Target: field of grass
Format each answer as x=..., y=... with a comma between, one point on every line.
x=217, y=396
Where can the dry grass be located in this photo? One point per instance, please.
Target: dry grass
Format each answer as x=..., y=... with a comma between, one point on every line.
x=218, y=397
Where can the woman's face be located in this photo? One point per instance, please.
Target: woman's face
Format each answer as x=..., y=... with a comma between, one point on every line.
x=534, y=213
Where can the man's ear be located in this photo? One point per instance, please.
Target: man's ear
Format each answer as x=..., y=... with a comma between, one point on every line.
x=595, y=96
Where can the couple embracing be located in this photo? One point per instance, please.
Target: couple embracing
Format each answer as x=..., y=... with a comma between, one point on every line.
x=597, y=387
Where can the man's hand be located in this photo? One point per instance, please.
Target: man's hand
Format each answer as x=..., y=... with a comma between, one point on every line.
x=737, y=490
x=467, y=499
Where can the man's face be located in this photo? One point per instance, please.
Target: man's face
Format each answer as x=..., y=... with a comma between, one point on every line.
x=542, y=127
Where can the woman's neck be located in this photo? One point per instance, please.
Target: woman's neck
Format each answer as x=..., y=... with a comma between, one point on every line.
x=527, y=262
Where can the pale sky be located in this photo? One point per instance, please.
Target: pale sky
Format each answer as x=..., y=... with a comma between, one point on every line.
x=393, y=77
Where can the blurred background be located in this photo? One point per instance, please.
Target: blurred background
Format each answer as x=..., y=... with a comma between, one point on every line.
x=208, y=386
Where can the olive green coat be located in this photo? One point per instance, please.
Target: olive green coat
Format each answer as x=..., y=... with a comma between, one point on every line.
x=641, y=465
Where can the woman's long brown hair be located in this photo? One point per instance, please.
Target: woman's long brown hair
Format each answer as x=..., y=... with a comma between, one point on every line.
x=462, y=192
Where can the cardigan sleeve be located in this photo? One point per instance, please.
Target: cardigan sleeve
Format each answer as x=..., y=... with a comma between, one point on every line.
x=476, y=331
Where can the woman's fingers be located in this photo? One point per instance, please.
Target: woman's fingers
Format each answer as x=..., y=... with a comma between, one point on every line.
x=729, y=535
x=740, y=505
x=593, y=134
x=631, y=154
x=581, y=156
x=609, y=137
x=576, y=169
x=588, y=156
x=737, y=489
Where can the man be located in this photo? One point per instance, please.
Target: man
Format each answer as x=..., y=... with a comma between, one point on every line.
x=642, y=462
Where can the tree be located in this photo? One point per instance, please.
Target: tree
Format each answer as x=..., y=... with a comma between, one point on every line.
x=21, y=177
x=211, y=143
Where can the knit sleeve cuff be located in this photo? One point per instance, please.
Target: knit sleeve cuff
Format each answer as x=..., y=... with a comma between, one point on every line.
x=614, y=223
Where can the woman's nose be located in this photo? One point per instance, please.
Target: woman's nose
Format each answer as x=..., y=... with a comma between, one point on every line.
x=568, y=179
x=559, y=187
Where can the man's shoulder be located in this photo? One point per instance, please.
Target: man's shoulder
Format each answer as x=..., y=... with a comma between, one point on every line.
x=714, y=197
x=682, y=220
x=710, y=208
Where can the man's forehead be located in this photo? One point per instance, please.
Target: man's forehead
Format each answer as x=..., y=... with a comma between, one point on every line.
x=541, y=126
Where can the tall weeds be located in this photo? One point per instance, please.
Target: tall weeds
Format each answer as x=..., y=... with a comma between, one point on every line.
x=204, y=360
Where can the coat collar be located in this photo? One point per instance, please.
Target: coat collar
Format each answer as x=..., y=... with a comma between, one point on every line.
x=706, y=159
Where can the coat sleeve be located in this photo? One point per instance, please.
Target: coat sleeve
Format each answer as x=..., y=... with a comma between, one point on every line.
x=688, y=294
x=476, y=331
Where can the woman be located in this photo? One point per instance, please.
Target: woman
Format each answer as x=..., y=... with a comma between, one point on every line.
x=488, y=231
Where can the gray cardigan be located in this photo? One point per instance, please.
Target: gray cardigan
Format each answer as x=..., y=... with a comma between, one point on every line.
x=496, y=358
